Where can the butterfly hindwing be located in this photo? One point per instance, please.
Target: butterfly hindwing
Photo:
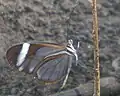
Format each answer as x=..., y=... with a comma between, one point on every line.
x=54, y=69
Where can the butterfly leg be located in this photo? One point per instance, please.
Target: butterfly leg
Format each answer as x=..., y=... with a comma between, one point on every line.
x=66, y=77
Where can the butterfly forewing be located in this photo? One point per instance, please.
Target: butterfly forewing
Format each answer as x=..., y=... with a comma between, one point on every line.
x=35, y=49
x=36, y=59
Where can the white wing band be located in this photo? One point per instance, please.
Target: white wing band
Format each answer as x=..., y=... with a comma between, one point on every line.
x=23, y=53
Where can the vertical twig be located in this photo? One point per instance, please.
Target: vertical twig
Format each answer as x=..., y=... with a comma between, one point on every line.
x=96, y=49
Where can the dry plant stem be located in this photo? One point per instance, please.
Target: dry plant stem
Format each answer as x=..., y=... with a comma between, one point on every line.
x=96, y=50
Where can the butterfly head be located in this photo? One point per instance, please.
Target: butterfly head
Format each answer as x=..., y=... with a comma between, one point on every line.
x=71, y=49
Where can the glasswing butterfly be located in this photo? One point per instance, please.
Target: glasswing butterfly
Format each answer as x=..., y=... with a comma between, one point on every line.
x=46, y=61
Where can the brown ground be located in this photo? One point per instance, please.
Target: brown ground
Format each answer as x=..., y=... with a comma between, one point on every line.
x=58, y=21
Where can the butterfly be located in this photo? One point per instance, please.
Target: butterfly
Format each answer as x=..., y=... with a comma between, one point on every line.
x=48, y=62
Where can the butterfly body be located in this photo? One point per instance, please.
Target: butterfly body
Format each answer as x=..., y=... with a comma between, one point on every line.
x=46, y=61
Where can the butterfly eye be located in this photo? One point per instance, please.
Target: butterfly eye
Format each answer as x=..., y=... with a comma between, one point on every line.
x=70, y=42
